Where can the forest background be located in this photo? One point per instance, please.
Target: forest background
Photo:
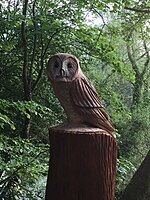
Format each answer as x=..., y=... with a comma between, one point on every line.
x=111, y=38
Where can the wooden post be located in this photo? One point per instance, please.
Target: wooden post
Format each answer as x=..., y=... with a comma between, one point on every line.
x=82, y=164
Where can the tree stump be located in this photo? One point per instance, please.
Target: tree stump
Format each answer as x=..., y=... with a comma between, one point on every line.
x=82, y=164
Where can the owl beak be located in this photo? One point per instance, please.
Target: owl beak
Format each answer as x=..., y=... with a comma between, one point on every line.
x=62, y=73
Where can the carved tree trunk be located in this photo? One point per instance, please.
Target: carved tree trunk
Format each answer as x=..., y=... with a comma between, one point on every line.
x=82, y=165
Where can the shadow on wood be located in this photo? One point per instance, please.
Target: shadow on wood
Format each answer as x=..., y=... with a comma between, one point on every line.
x=82, y=164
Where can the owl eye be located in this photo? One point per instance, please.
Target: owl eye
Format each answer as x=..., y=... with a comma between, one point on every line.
x=56, y=65
x=69, y=65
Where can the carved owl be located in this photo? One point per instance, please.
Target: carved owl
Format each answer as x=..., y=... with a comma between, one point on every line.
x=76, y=93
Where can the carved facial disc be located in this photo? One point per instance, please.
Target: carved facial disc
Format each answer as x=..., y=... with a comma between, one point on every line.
x=62, y=67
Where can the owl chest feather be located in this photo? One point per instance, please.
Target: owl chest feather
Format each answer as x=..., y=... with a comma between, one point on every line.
x=62, y=91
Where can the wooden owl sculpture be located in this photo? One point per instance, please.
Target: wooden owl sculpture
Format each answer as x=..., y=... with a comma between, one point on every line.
x=76, y=93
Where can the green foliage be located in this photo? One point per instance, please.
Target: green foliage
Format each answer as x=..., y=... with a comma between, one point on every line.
x=125, y=170
x=11, y=110
x=5, y=120
x=23, y=165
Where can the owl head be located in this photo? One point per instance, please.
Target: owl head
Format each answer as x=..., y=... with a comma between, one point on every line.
x=63, y=67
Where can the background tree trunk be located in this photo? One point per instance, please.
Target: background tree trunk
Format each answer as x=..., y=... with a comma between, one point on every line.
x=27, y=73
x=139, y=186
x=82, y=165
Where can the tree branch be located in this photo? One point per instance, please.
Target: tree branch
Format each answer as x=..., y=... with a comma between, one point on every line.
x=142, y=56
x=132, y=60
x=43, y=53
x=147, y=60
x=99, y=15
x=25, y=54
x=55, y=33
x=138, y=10
x=34, y=44
x=105, y=81
x=39, y=74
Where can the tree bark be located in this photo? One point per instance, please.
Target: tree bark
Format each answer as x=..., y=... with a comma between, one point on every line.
x=25, y=133
x=27, y=91
x=82, y=164
x=139, y=186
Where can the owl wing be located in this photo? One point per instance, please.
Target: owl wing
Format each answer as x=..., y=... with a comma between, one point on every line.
x=86, y=102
